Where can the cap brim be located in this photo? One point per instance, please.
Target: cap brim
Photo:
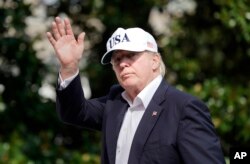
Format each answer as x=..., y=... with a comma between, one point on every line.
x=107, y=56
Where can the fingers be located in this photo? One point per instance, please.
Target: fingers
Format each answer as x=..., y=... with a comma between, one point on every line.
x=80, y=38
x=68, y=27
x=60, y=26
x=55, y=31
x=51, y=39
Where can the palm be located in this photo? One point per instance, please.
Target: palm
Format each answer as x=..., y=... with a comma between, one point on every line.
x=68, y=50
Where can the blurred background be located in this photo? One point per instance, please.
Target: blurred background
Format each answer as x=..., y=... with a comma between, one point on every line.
x=205, y=45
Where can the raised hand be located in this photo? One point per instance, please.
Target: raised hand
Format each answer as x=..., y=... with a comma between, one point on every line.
x=68, y=49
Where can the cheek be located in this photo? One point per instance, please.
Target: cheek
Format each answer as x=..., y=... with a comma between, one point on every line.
x=117, y=75
x=145, y=68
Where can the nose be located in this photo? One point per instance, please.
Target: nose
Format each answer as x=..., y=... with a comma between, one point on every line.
x=124, y=62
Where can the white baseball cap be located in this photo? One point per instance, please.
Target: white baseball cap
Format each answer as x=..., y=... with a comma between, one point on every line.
x=131, y=39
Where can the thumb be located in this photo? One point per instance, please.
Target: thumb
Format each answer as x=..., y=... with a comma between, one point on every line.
x=80, y=38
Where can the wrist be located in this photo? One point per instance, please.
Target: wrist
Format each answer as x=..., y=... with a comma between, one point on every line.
x=67, y=72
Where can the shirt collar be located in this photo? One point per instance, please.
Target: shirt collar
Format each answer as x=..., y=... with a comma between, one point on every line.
x=145, y=96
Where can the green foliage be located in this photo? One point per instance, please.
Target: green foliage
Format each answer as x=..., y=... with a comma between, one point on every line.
x=207, y=54
x=30, y=131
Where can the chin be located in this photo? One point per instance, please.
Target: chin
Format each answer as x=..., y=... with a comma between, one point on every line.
x=129, y=84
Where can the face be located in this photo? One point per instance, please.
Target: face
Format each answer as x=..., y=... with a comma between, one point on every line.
x=134, y=70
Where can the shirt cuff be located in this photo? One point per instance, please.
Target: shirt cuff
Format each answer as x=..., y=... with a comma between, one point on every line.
x=64, y=83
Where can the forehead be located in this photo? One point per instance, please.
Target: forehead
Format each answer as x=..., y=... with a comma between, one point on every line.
x=121, y=53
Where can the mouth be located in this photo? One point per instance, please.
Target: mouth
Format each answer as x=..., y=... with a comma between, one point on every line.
x=125, y=75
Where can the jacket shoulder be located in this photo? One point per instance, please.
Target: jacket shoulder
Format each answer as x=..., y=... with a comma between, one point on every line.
x=115, y=90
x=179, y=95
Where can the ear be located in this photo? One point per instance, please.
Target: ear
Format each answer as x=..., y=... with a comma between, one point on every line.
x=156, y=61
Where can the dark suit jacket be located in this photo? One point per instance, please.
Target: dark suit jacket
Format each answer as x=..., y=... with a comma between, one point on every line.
x=181, y=130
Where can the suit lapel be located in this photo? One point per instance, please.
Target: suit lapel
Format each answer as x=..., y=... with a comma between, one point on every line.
x=114, y=121
x=147, y=123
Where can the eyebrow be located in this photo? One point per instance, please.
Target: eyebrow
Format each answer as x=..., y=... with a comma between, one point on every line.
x=117, y=53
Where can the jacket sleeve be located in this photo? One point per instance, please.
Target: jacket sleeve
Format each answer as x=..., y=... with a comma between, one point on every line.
x=73, y=108
x=197, y=139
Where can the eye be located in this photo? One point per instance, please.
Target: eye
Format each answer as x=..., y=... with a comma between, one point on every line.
x=131, y=55
x=115, y=60
x=118, y=59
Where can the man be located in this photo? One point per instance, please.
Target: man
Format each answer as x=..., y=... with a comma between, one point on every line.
x=143, y=119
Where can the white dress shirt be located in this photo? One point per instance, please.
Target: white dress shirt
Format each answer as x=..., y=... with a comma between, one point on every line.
x=64, y=83
x=132, y=119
